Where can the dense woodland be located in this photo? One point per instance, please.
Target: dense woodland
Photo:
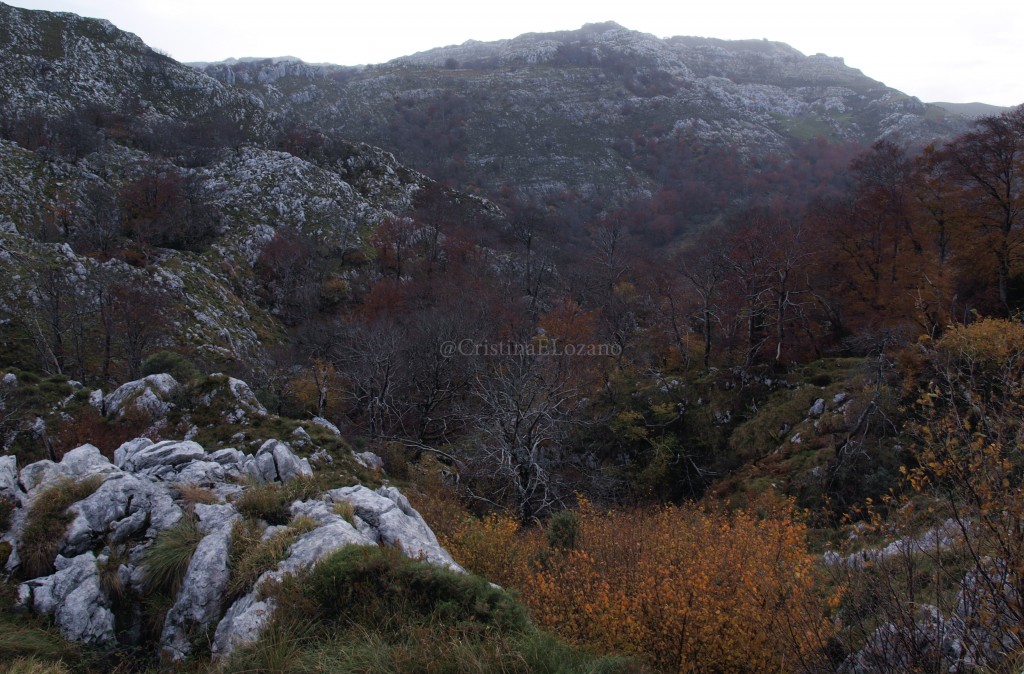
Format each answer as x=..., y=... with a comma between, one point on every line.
x=661, y=408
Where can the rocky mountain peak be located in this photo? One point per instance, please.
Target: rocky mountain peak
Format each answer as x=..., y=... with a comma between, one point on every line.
x=58, y=62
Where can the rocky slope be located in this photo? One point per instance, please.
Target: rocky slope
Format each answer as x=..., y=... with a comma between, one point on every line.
x=107, y=143
x=57, y=62
x=95, y=571
x=566, y=110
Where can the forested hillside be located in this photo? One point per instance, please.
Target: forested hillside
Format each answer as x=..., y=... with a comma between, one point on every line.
x=712, y=387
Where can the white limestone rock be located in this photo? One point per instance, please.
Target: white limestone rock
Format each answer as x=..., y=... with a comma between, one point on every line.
x=276, y=462
x=80, y=462
x=247, y=617
x=199, y=603
x=9, y=478
x=324, y=423
x=987, y=615
x=202, y=473
x=123, y=506
x=242, y=624
x=391, y=520
x=75, y=598
x=150, y=394
x=368, y=460
x=153, y=458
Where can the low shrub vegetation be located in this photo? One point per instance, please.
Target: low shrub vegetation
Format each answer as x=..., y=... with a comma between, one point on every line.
x=47, y=522
x=687, y=589
x=6, y=508
x=369, y=609
x=272, y=502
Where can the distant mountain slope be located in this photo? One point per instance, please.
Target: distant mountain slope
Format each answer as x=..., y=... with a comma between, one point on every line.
x=571, y=110
x=124, y=170
x=973, y=110
x=55, y=62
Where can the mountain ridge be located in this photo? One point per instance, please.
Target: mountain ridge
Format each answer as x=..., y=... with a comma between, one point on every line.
x=563, y=111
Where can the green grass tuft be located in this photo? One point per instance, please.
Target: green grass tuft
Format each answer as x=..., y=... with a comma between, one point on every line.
x=166, y=560
x=47, y=522
x=430, y=649
x=346, y=511
x=272, y=502
x=28, y=637
x=251, y=557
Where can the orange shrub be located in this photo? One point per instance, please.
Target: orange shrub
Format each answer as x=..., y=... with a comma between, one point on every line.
x=496, y=549
x=687, y=588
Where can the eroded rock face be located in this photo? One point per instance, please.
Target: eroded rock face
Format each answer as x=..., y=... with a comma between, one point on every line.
x=141, y=457
x=895, y=647
x=988, y=614
x=199, y=604
x=74, y=597
x=9, y=477
x=122, y=507
x=78, y=463
x=980, y=633
x=386, y=516
x=236, y=399
x=276, y=462
x=247, y=617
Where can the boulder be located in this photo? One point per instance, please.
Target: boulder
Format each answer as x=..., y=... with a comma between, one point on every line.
x=202, y=473
x=151, y=395
x=247, y=617
x=817, y=409
x=388, y=518
x=300, y=437
x=242, y=624
x=368, y=460
x=899, y=647
x=140, y=457
x=75, y=598
x=317, y=544
x=324, y=423
x=9, y=478
x=275, y=462
x=122, y=507
x=228, y=456
x=246, y=399
x=78, y=463
x=234, y=397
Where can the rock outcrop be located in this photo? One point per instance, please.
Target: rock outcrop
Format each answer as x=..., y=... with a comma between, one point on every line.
x=110, y=531
x=75, y=598
x=982, y=630
x=150, y=395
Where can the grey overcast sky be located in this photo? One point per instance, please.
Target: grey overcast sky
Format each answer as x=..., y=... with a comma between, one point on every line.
x=937, y=50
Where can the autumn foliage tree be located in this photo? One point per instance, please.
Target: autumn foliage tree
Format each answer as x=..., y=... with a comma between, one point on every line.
x=959, y=521
x=986, y=168
x=970, y=461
